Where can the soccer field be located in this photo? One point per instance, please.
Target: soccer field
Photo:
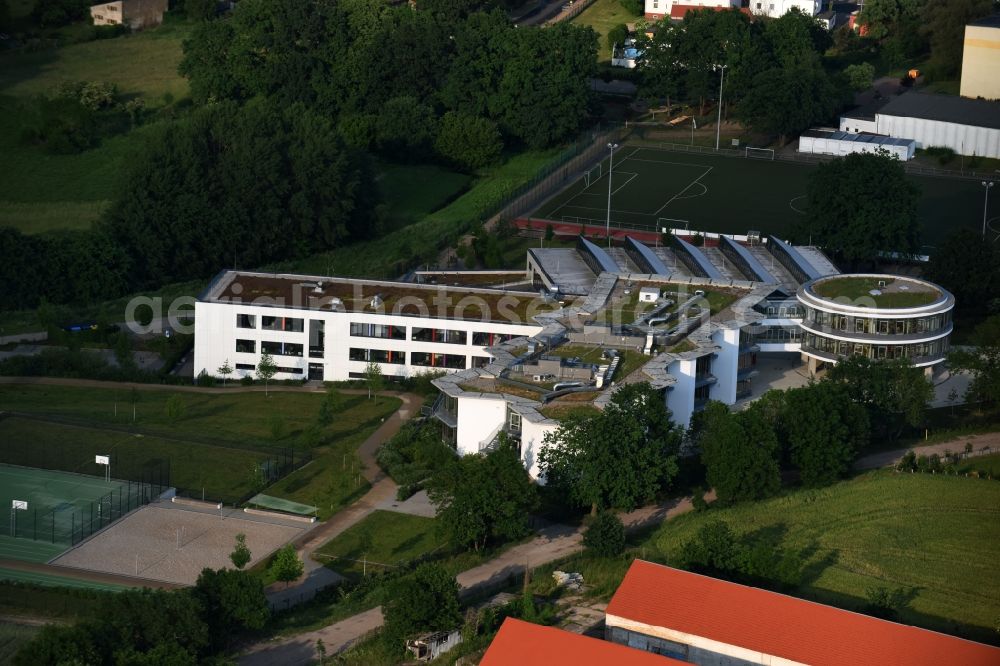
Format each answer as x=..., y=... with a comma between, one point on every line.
x=653, y=188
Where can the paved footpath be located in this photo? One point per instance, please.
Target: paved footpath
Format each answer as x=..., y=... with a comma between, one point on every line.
x=957, y=445
x=553, y=543
x=316, y=576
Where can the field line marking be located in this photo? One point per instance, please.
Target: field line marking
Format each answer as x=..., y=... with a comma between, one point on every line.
x=683, y=164
x=791, y=204
x=704, y=191
x=705, y=173
x=632, y=176
x=613, y=210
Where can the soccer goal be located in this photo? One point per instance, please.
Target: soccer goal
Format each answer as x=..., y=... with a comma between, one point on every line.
x=760, y=153
x=592, y=175
x=669, y=223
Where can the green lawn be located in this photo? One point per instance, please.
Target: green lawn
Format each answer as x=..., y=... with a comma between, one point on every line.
x=240, y=418
x=414, y=191
x=333, y=479
x=856, y=288
x=385, y=538
x=937, y=537
x=983, y=465
x=654, y=187
x=603, y=15
x=397, y=251
x=215, y=444
x=47, y=580
x=41, y=192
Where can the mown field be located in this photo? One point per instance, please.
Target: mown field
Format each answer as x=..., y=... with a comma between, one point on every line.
x=936, y=537
x=602, y=15
x=215, y=442
x=43, y=192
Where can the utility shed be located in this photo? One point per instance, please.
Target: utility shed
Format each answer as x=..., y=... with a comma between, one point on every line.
x=830, y=142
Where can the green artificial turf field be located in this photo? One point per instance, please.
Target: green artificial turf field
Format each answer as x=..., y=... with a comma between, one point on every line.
x=653, y=188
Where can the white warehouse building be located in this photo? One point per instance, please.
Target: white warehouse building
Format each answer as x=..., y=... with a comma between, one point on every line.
x=830, y=142
x=967, y=126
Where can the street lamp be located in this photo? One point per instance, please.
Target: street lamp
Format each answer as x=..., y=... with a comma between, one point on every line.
x=986, y=204
x=611, y=166
x=718, y=124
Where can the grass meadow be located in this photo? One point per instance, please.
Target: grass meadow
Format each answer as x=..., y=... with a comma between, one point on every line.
x=936, y=537
x=602, y=15
x=214, y=444
x=42, y=192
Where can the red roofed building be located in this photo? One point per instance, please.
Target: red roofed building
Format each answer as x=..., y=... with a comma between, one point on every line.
x=709, y=621
x=520, y=643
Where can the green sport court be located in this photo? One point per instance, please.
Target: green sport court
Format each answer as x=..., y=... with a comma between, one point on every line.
x=62, y=509
x=653, y=188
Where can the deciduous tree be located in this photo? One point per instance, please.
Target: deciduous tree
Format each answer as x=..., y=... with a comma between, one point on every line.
x=241, y=555
x=983, y=361
x=266, y=369
x=287, y=566
x=825, y=431
x=232, y=602
x=894, y=392
x=619, y=458
x=424, y=601
x=740, y=453
x=861, y=205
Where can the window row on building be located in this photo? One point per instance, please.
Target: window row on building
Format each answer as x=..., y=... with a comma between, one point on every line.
x=778, y=335
x=876, y=326
x=917, y=351
x=250, y=367
x=268, y=323
x=271, y=347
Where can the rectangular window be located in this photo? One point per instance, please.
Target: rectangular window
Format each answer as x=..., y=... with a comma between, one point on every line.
x=363, y=330
x=246, y=321
x=290, y=324
x=485, y=339
x=291, y=371
x=514, y=421
x=245, y=366
x=481, y=361
x=281, y=348
x=859, y=325
x=246, y=346
x=883, y=326
x=429, y=360
x=440, y=335
x=377, y=355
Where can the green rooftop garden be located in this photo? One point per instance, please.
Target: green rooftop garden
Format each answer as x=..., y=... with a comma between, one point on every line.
x=892, y=293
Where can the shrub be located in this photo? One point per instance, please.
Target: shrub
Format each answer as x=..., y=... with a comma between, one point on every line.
x=698, y=499
x=246, y=380
x=606, y=535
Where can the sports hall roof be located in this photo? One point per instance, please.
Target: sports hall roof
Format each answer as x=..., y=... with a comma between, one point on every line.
x=520, y=643
x=781, y=626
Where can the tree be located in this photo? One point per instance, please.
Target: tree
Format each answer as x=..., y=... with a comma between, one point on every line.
x=287, y=566
x=884, y=602
x=425, y=601
x=328, y=408
x=225, y=370
x=968, y=267
x=200, y=10
x=482, y=498
x=943, y=23
x=786, y=100
x=633, y=7
x=825, y=431
x=661, y=74
x=617, y=35
x=468, y=142
x=619, y=458
x=232, y=602
x=983, y=361
x=861, y=205
x=885, y=17
x=274, y=182
x=740, y=453
x=606, y=535
x=860, y=75
x=240, y=556
x=894, y=392
x=266, y=369
x=405, y=129
x=373, y=379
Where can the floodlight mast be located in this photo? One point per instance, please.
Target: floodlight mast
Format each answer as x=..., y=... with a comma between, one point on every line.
x=611, y=166
x=987, y=184
x=718, y=124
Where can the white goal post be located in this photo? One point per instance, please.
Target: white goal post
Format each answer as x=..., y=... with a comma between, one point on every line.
x=759, y=153
x=592, y=175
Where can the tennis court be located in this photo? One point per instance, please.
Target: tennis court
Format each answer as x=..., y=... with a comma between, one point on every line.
x=59, y=509
x=653, y=188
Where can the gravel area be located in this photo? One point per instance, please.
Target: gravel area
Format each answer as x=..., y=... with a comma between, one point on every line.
x=174, y=545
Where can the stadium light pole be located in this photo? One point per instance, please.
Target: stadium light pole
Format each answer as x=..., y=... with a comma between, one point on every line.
x=611, y=166
x=987, y=184
x=718, y=124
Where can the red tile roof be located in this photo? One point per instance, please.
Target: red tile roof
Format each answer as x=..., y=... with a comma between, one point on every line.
x=781, y=626
x=520, y=643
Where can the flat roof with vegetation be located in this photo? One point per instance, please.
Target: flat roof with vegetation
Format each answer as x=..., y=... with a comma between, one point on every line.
x=885, y=291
